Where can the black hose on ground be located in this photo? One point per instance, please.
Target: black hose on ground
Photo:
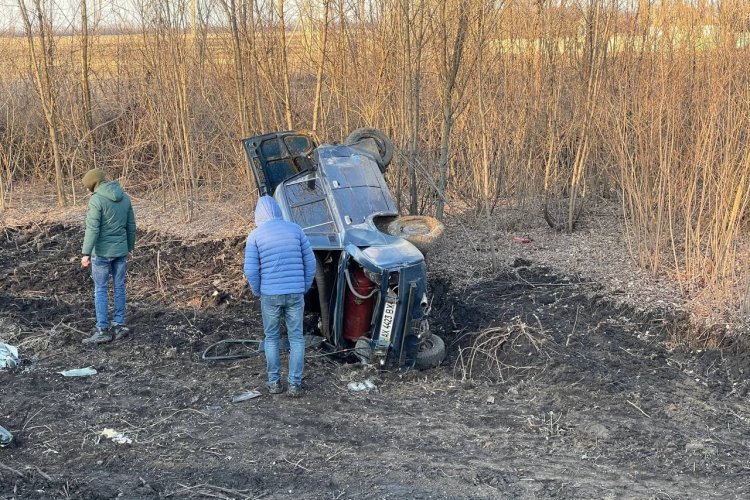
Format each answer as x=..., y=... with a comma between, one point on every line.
x=310, y=341
x=257, y=351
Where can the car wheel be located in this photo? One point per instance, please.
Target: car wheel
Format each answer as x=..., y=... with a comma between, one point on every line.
x=382, y=143
x=420, y=230
x=431, y=352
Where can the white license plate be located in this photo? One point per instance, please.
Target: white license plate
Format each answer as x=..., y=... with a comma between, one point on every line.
x=386, y=326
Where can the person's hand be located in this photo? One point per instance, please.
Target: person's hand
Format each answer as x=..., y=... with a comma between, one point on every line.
x=85, y=261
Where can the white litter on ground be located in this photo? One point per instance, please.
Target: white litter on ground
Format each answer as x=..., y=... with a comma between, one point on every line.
x=78, y=372
x=364, y=386
x=115, y=436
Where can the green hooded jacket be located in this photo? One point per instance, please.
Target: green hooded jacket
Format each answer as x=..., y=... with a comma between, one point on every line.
x=110, y=222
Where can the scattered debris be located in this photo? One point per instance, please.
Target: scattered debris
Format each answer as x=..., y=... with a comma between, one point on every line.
x=522, y=239
x=115, y=436
x=78, y=372
x=5, y=437
x=520, y=262
x=701, y=447
x=8, y=356
x=245, y=396
x=364, y=386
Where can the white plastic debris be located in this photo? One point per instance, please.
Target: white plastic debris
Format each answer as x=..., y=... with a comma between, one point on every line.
x=8, y=356
x=364, y=386
x=245, y=396
x=79, y=372
x=117, y=437
x=5, y=437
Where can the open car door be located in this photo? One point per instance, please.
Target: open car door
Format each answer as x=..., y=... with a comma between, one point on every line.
x=278, y=156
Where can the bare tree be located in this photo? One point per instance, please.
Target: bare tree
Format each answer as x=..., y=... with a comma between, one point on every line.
x=413, y=16
x=453, y=26
x=285, y=66
x=230, y=9
x=321, y=66
x=41, y=55
x=85, y=69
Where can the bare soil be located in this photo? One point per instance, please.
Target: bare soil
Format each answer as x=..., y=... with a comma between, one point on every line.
x=552, y=388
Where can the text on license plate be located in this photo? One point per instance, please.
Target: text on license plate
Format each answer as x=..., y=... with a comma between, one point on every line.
x=386, y=326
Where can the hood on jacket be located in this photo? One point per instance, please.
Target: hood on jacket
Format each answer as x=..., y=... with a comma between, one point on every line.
x=267, y=209
x=110, y=190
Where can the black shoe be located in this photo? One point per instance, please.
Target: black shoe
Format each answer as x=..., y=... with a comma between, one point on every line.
x=99, y=336
x=275, y=388
x=120, y=331
x=295, y=391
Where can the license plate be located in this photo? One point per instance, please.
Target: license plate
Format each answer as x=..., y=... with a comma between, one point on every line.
x=386, y=326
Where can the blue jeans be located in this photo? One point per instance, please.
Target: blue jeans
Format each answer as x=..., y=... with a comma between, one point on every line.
x=101, y=269
x=292, y=307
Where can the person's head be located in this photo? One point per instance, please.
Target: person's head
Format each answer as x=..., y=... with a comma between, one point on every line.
x=93, y=178
x=266, y=209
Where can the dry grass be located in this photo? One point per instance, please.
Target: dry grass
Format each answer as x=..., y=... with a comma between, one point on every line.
x=577, y=101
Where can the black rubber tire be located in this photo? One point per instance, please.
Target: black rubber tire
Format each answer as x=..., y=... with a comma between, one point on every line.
x=430, y=353
x=420, y=230
x=382, y=141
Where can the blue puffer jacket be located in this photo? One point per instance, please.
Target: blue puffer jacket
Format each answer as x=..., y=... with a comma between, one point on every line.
x=278, y=255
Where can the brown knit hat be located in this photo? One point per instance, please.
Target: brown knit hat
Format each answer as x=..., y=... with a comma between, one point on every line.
x=93, y=178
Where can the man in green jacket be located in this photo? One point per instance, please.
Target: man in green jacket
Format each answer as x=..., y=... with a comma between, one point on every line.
x=109, y=239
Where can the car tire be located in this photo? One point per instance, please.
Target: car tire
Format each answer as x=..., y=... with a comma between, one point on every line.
x=383, y=143
x=420, y=230
x=431, y=353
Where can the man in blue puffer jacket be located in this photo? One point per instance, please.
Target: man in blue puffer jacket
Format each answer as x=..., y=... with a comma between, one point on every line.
x=280, y=267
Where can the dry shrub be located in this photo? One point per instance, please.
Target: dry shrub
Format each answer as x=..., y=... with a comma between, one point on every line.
x=497, y=352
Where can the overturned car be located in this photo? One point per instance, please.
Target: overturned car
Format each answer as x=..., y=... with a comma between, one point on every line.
x=370, y=289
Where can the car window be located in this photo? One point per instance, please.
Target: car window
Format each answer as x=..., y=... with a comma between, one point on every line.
x=278, y=170
x=309, y=205
x=314, y=217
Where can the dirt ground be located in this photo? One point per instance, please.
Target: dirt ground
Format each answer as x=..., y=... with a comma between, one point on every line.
x=551, y=389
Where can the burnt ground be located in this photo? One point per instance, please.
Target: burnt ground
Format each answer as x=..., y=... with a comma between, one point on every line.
x=549, y=390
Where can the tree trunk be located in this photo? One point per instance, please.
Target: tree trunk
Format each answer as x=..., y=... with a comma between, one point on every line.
x=41, y=69
x=239, y=71
x=417, y=40
x=285, y=68
x=321, y=66
x=250, y=34
x=450, y=62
